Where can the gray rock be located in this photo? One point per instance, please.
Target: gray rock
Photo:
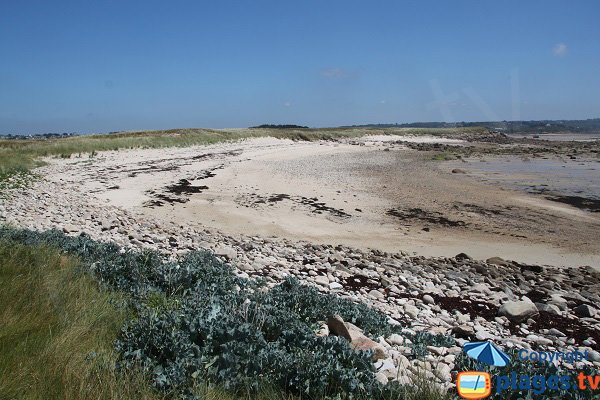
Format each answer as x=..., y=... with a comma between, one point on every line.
x=593, y=355
x=107, y=224
x=335, y=286
x=585, y=311
x=68, y=228
x=338, y=327
x=550, y=308
x=411, y=310
x=321, y=280
x=518, y=311
x=387, y=367
x=443, y=372
x=555, y=332
x=539, y=340
x=497, y=261
x=395, y=339
x=483, y=335
x=226, y=251
x=440, y=351
x=463, y=331
x=462, y=257
x=427, y=299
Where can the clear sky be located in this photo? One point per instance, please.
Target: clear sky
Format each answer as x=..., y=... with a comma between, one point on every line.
x=98, y=66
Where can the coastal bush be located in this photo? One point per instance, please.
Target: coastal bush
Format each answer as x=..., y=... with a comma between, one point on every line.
x=196, y=323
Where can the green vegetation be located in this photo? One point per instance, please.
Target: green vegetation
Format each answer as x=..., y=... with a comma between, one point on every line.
x=22, y=155
x=17, y=180
x=283, y=126
x=57, y=329
x=193, y=328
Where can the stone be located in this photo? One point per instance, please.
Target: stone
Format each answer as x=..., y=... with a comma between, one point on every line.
x=427, y=299
x=363, y=343
x=440, y=351
x=593, y=355
x=226, y=251
x=338, y=327
x=463, y=331
x=462, y=257
x=518, y=311
x=555, y=332
x=443, y=372
x=395, y=340
x=549, y=308
x=585, y=311
x=107, y=224
x=387, y=367
x=482, y=335
x=68, y=228
x=539, y=340
x=335, y=286
x=411, y=311
x=497, y=261
x=402, y=362
x=358, y=341
x=321, y=280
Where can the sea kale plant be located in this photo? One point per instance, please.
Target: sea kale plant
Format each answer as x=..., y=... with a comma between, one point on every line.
x=195, y=322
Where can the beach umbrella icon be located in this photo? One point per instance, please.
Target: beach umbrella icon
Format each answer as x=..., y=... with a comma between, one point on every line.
x=487, y=353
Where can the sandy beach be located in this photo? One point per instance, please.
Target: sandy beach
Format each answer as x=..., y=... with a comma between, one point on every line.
x=373, y=192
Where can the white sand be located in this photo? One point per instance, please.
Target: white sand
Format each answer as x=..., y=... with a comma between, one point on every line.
x=344, y=177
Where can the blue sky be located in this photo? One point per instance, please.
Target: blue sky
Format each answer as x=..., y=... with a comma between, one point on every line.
x=98, y=66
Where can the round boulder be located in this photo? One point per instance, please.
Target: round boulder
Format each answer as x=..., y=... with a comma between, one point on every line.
x=518, y=311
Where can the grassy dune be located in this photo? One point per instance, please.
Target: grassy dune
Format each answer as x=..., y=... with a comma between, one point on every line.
x=56, y=331
x=23, y=155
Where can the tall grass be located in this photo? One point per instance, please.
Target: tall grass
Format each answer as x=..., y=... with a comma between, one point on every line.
x=56, y=331
x=22, y=155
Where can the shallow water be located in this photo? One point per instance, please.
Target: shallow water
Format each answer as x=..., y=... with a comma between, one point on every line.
x=551, y=177
x=576, y=137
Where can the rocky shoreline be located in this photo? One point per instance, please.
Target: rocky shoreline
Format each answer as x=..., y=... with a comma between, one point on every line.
x=515, y=305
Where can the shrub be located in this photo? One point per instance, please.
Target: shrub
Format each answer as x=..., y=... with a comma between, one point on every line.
x=196, y=323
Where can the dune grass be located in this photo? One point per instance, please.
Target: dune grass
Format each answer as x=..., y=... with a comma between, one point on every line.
x=56, y=331
x=23, y=155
